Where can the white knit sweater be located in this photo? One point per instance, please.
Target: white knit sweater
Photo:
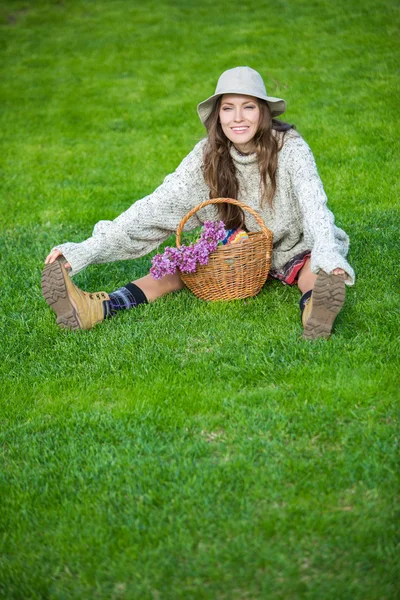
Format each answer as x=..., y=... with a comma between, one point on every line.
x=299, y=219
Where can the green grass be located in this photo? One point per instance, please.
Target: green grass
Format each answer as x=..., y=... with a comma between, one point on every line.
x=191, y=450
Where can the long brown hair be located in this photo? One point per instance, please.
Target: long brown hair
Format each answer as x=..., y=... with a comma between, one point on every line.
x=219, y=169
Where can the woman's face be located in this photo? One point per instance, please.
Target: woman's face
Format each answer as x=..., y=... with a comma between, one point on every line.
x=239, y=117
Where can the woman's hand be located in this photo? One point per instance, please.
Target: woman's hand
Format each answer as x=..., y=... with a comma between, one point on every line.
x=340, y=272
x=52, y=257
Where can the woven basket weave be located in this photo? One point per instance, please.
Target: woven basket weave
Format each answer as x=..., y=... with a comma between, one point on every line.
x=235, y=270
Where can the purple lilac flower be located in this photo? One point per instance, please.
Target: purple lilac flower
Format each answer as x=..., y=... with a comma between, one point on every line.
x=186, y=258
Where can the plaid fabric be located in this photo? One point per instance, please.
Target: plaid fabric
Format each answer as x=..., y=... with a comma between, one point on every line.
x=122, y=299
x=289, y=273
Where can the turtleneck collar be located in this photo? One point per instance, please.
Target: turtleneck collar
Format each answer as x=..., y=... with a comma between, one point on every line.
x=242, y=159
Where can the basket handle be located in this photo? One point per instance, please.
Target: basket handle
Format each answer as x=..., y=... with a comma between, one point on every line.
x=219, y=201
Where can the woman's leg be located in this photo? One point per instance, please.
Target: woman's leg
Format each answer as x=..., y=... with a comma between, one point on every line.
x=141, y=291
x=76, y=309
x=306, y=278
x=155, y=288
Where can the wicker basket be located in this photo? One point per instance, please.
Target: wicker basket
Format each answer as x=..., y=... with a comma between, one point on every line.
x=235, y=270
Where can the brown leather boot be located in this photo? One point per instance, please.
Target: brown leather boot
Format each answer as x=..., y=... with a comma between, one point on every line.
x=322, y=308
x=74, y=308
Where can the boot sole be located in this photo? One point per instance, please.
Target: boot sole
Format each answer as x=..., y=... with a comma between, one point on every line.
x=328, y=297
x=55, y=293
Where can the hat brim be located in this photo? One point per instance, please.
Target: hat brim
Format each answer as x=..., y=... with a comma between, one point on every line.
x=276, y=105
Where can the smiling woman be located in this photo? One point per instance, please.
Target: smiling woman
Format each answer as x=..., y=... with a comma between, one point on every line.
x=250, y=155
x=257, y=134
x=239, y=117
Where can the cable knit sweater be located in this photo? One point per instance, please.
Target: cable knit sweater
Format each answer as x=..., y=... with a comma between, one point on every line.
x=299, y=219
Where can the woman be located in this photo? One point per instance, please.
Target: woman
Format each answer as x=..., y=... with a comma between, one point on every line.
x=248, y=155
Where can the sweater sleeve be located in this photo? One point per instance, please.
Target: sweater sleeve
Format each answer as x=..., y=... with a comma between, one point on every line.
x=148, y=222
x=329, y=244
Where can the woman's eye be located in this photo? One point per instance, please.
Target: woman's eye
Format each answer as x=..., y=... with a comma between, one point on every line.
x=250, y=106
x=227, y=108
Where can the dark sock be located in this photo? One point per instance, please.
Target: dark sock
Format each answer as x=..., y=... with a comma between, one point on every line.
x=304, y=299
x=124, y=298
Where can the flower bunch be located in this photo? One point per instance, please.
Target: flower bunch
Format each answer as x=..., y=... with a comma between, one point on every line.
x=186, y=258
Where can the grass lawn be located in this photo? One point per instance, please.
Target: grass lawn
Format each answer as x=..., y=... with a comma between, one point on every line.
x=188, y=450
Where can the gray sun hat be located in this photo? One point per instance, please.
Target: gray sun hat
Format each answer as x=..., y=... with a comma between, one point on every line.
x=244, y=81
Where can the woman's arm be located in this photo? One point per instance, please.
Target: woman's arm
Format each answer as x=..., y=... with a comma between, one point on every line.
x=146, y=224
x=329, y=244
